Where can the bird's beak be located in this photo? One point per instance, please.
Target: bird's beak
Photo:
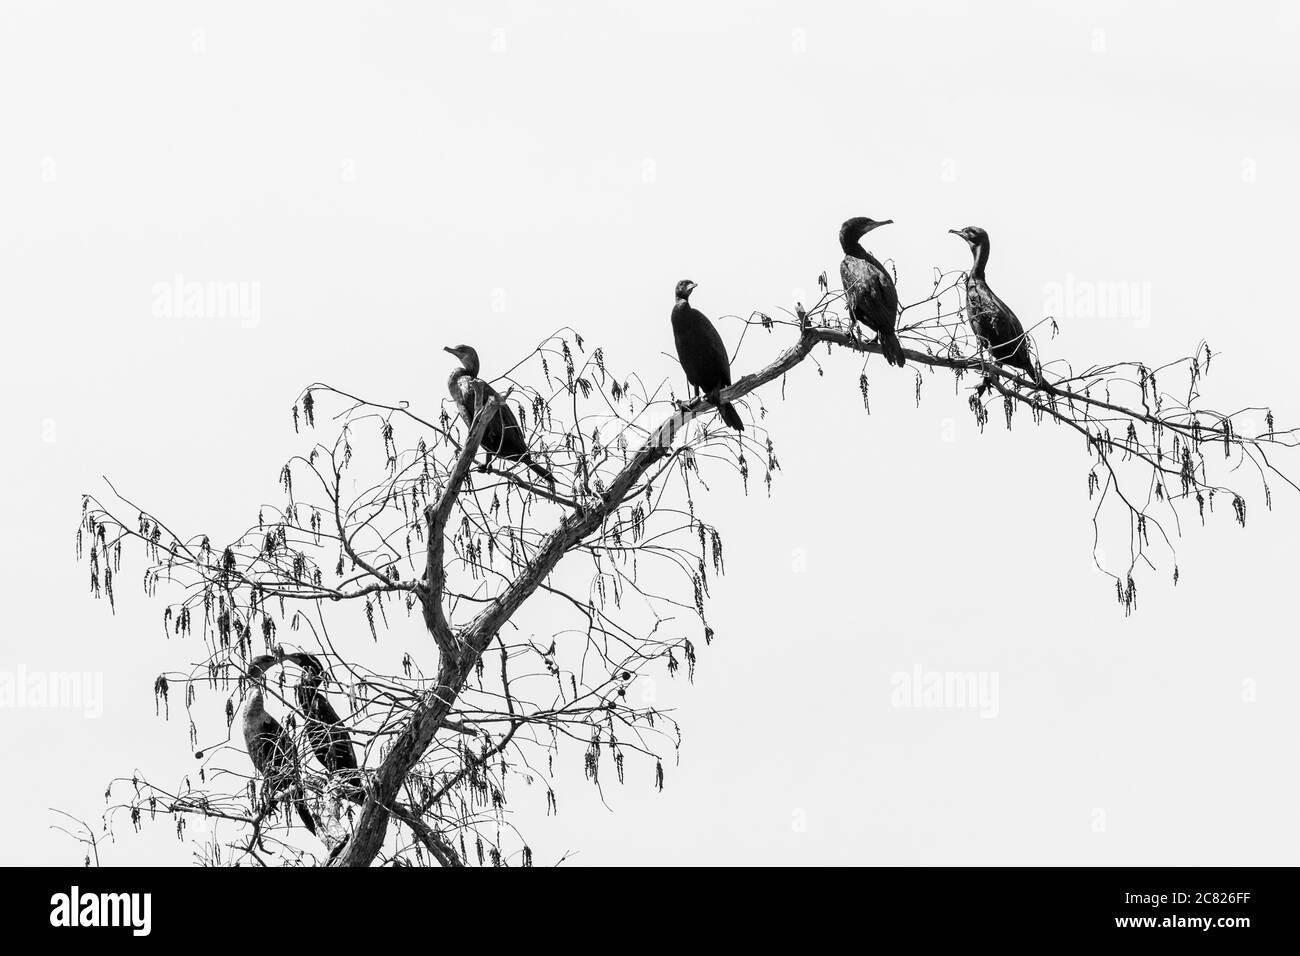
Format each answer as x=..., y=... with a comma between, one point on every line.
x=885, y=222
x=449, y=349
x=693, y=286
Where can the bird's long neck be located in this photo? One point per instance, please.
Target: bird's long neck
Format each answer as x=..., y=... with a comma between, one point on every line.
x=863, y=256
x=307, y=702
x=853, y=248
x=255, y=708
x=454, y=380
x=981, y=254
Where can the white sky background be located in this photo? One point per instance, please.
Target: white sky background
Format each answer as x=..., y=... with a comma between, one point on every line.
x=381, y=171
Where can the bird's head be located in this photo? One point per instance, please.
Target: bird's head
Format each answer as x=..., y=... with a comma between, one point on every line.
x=974, y=236
x=857, y=227
x=468, y=357
x=308, y=662
x=259, y=665
x=312, y=669
x=685, y=288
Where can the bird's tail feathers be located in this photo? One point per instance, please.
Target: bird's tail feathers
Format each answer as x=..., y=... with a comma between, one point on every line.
x=304, y=813
x=892, y=348
x=731, y=416
x=540, y=471
x=1040, y=381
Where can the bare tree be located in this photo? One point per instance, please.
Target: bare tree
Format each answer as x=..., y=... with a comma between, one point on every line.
x=389, y=524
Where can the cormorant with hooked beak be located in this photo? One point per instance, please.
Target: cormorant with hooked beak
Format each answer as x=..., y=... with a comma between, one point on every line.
x=503, y=437
x=270, y=747
x=994, y=324
x=702, y=354
x=869, y=289
x=328, y=738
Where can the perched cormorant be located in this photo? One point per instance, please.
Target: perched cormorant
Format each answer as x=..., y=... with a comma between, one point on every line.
x=702, y=354
x=994, y=324
x=503, y=437
x=328, y=738
x=269, y=745
x=869, y=288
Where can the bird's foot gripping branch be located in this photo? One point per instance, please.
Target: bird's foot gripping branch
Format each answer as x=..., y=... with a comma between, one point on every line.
x=440, y=641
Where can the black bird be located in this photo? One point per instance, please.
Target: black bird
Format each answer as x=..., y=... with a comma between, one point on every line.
x=270, y=747
x=869, y=288
x=326, y=735
x=994, y=324
x=503, y=437
x=702, y=354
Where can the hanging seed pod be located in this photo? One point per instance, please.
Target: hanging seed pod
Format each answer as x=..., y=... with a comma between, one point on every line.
x=591, y=759
x=981, y=413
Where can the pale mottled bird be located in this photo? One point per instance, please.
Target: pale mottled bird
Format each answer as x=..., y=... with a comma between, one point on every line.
x=503, y=438
x=269, y=745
